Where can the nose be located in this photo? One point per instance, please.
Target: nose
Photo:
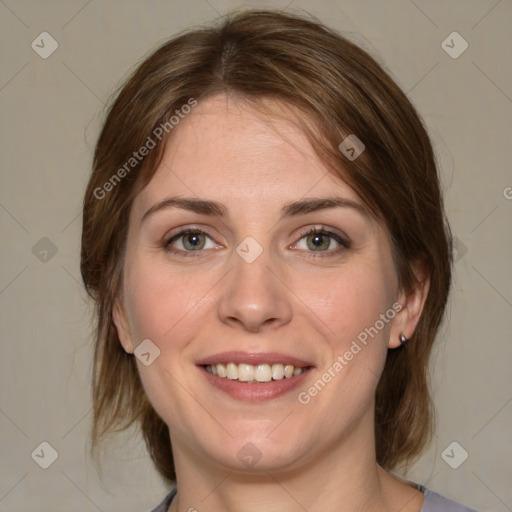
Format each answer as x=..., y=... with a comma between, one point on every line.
x=254, y=296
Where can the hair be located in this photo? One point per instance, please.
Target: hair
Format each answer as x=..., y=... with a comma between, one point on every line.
x=258, y=55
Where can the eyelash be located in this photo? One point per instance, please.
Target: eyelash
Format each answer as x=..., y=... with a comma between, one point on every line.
x=344, y=242
x=178, y=235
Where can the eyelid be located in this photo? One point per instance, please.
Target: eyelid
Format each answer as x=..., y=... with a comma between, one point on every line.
x=341, y=238
x=182, y=231
x=187, y=228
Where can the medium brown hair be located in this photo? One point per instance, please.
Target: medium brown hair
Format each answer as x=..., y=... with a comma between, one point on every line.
x=269, y=54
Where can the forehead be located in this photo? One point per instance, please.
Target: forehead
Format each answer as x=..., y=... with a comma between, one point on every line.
x=229, y=149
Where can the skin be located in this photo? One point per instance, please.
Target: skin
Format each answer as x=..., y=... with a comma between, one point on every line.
x=293, y=299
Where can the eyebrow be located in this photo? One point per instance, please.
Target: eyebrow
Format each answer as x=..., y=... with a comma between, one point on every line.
x=291, y=209
x=203, y=206
x=315, y=204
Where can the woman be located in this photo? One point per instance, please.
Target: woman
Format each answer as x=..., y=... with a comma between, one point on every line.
x=265, y=241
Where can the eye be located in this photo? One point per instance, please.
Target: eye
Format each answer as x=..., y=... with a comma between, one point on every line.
x=189, y=240
x=322, y=240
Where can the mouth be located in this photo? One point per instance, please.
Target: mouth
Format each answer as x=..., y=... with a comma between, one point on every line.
x=245, y=372
x=254, y=377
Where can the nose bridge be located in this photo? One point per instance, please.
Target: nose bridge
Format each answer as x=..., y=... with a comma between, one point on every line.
x=254, y=297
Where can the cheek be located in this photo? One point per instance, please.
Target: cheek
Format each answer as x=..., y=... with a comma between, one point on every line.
x=149, y=310
x=351, y=311
x=351, y=302
x=160, y=306
x=159, y=301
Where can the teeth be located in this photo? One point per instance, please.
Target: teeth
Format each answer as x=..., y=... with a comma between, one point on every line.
x=232, y=371
x=249, y=373
x=245, y=372
x=263, y=373
x=277, y=371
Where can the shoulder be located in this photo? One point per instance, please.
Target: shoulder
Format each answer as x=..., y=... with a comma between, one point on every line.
x=164, y=504
x=436, y=503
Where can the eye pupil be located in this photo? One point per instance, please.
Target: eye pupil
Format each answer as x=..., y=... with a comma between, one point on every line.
x=319, y=241
x=193, y=241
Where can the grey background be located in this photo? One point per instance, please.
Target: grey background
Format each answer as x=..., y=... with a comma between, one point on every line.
x=51, y=111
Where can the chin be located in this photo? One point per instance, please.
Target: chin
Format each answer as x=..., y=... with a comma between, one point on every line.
x=257, y=453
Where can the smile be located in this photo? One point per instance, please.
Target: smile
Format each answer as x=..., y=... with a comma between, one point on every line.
x=245, y=372
x=255, y=377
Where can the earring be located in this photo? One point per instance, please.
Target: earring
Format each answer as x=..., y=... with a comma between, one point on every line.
x=402, y=338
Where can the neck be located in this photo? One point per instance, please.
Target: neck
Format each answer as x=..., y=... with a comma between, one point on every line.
x=346, y=477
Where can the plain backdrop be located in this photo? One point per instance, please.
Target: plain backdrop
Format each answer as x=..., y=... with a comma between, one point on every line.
x=51, y=111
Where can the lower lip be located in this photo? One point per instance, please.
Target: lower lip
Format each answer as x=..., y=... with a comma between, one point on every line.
x=255, y=392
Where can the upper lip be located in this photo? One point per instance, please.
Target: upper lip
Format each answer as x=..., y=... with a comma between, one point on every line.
x=253, y=359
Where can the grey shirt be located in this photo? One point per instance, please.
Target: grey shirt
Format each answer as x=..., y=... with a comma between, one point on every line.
x=433, y=502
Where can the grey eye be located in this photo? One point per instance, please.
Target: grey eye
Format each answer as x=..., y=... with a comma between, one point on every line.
x=190, y=240
x=318, y=241
x=194, y=241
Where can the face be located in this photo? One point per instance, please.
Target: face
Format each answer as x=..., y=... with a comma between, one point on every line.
x=247, y=258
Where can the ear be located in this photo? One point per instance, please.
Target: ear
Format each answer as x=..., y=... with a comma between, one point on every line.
x=412, y=303
x=122, y=327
